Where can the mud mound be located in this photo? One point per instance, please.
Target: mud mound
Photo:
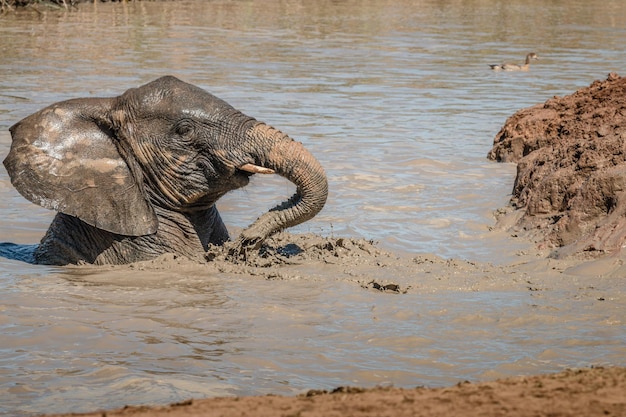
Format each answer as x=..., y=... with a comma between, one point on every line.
x=571, y=172
x=287, y=256
x=7, y=5
x=287, y=248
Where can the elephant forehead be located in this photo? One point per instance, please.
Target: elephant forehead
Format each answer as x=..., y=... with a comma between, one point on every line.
x=175, y=107
x=171, y=95
x=198, y=113
x=201, y=105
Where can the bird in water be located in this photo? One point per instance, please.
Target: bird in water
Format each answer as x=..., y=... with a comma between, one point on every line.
x=515, y=67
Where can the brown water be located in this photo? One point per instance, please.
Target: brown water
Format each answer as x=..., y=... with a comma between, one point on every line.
x=397, y=101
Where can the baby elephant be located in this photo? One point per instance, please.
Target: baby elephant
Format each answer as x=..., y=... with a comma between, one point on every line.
x=136, y=176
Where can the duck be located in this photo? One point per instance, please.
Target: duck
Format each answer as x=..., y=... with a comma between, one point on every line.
x=515, y=67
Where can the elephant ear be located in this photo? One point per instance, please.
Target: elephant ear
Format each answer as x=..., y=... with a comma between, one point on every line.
x=64, y=158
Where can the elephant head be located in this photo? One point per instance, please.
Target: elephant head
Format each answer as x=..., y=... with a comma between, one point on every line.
x=122, y=164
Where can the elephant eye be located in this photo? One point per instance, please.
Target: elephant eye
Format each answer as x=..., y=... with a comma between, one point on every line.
x=184, y=128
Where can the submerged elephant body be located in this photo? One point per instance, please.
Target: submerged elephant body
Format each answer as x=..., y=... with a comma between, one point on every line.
x=138, y=175
x=71, y=240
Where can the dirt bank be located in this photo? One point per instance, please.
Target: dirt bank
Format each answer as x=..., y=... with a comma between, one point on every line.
x=586, y=392
x=571, y=169
x=7, y=5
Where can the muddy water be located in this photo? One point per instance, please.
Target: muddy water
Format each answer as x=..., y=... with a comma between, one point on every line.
x=397, y=101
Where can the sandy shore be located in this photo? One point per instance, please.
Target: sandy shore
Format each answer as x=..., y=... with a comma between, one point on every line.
x=585, y=392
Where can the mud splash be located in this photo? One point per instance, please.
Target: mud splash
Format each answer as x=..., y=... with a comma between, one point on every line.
x=288, y=257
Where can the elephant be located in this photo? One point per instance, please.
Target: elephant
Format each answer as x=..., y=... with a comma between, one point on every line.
x=136, y=176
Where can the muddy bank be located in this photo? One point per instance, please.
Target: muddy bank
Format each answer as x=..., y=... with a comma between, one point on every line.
x=586, y=392
x=571, y=170
x=8, y=5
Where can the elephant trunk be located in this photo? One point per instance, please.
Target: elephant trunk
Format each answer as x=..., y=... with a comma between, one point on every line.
x=291, y=160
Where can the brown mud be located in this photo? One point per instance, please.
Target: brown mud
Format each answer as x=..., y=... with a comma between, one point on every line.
x=570, y=188
x=311, y=257
x=10, y=5
x=585, y=392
